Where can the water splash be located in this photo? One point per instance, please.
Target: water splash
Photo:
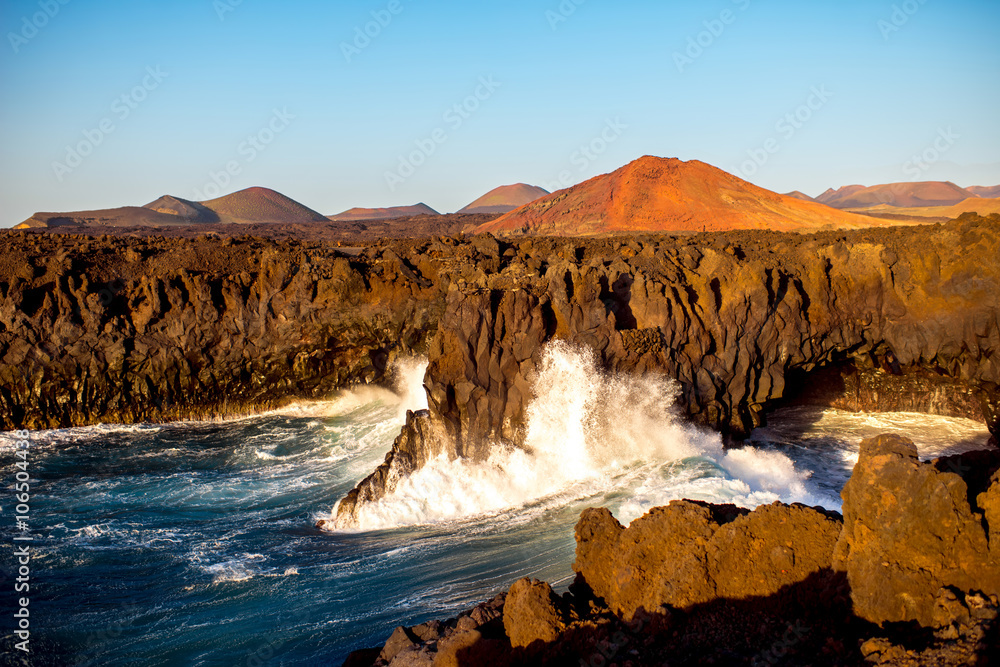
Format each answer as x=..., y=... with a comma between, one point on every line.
x=588, y=432
x=409, y=385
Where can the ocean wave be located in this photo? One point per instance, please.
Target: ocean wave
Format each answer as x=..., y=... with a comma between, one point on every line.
x=586, y=429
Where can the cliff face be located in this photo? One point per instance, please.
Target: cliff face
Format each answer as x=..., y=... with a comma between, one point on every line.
x=128, y=329
x=124, y=329
x=731, y=317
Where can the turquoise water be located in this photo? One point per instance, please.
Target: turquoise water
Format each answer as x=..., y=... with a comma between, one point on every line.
x=194, y=544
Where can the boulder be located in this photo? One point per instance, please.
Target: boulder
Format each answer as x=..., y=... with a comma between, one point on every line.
x=691, y=552
x=400, y=640
x=909, y=532
x=532, y=613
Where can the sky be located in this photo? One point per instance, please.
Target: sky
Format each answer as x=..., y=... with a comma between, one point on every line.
x=394, y=102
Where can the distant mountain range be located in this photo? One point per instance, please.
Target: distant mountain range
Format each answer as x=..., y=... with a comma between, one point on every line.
x=979, y=205
x=252, y=205
x=499, y=200
x=655, y=194
x=986, y=192
x=649, y=194
x=930, y=193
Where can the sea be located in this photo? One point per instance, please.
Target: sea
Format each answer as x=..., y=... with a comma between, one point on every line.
x=195, y=543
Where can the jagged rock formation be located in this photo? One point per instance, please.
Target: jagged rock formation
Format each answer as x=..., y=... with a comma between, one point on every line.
x=533, y=612
x=731, y=317
x=694, y=583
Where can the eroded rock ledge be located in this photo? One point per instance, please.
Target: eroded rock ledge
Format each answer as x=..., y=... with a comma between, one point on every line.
x=910, y=575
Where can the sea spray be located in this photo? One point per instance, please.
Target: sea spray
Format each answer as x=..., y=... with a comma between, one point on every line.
x=586, y=431
x=408, y=374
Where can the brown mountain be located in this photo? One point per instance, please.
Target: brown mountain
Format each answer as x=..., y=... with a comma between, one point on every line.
x=126, y=216
x=832, y=195
x=799, y=195
x=383, y=213
x=255, y=205
x=668, y=195
x=189, y=210
x=250, y=206
x=928, y=193
x=986, y=192
x=506, y=198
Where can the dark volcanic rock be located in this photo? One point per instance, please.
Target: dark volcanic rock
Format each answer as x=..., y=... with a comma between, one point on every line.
x=416, y=444
x=909, y=532
x=731, y=317
x=127, y=329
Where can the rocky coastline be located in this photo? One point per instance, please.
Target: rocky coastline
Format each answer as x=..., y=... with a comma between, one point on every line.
x=154, y=328
x=743, y=321
x=128, y=329
x=908, y=575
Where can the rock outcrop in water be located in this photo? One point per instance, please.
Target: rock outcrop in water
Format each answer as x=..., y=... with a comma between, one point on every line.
x=902, y=579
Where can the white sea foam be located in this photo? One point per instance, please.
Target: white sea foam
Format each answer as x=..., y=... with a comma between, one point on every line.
x=409, y=387
x=933, y=435
x=589, y=431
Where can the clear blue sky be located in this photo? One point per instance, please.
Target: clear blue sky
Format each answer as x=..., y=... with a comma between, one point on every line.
x=610, y=68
